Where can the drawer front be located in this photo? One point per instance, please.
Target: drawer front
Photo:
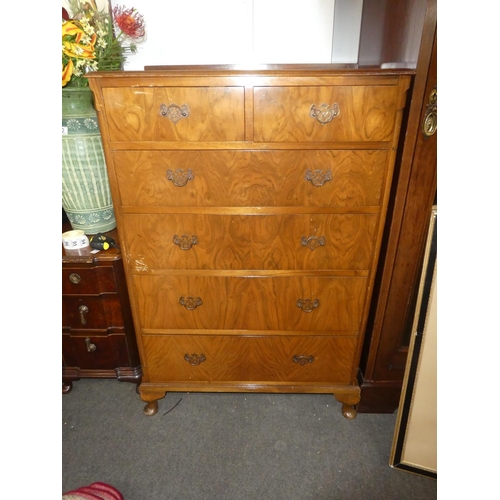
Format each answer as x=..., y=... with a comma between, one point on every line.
x=151, y=113
x=243, y=179
x=196, y=358
x=298, y=242
x=95, y=352
x=92, y=312
x=284, y=303
x=365, y=113
x=90, y=280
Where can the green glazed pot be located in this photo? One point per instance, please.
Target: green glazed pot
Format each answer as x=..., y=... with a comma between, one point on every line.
x=86, y=197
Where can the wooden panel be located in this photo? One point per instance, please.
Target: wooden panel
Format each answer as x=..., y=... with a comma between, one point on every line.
x=250, y=303
x=251, y=242
x=93, y=280
x=244, y=178
x=215, y=114
x=366, y=113
x=249, y=358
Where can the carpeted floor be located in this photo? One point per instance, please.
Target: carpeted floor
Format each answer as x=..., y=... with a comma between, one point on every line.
x=229, y=447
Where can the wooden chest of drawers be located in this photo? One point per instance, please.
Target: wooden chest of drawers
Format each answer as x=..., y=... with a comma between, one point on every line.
x=250, y=205
x=98, y=332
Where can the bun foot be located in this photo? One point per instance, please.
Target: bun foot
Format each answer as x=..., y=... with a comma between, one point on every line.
x=349, y=411
x=349, y=400
x=66, y=387
x=151, y=408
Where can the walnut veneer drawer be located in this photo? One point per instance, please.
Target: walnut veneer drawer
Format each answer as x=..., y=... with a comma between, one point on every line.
x=299, y=241
x=215, y=358
x=284, y=303
x=366, y=113
x=142, y=113
x=242, y=178
x=94, y=352
x=92, y=312
x=88, y=280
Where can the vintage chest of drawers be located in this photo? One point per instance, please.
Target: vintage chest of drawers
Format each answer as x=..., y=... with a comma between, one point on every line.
x=98, y=337
x=251, y=206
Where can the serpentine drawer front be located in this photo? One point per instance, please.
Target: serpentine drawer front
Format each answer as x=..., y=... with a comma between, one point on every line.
x=250, y=206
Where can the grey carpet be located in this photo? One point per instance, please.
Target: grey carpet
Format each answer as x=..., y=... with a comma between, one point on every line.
x=229, y=447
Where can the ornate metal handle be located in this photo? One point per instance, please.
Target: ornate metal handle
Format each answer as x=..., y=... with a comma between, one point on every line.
x=180, y=177
x=312, y=242
x=195, y=359
x=317, y=177
x=185, y=242
x=325, y=113
x=75, y=278
x=430, y=123
x=174, y=112
x=83, y=311
x=190, y=303
x=303, y=360
x=90, y=346
x=308, y=305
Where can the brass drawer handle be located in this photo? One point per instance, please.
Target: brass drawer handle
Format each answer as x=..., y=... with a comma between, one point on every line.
x=174, y=112
x=308, y=305
x=185, y=242
x=75, y=278
x=303, y=360
x=312, y=242
x=318, y=178
x=90, y=346
x=180, y=177
x=190, y=303
x=195, y=359
x=83, y=311
x=325, y=113
x=429, y=125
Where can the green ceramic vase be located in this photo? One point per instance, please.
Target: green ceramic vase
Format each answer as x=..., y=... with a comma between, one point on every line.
x=86, y=197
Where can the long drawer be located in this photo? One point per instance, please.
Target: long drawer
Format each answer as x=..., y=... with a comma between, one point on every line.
x=218, y=358
x=322, y=178
x=175, y=113
x=283, y=303
x=267, y=242
x=88, y=280
x=94, y=352
x=301, y=114
x=92, y=311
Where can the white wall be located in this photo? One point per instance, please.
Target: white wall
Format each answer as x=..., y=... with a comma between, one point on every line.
x=242, y=32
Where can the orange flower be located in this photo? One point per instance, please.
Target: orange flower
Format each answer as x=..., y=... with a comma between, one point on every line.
x=73, y=47
x=67, y=71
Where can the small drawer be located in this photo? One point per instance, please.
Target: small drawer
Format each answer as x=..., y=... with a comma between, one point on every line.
x=286, y=114
x=267, y=242
x=95, y=352
x=204, y=358
x=285, y=303
x=175, y=113
x=88, y=280
x=322, y=178
x=92, y=312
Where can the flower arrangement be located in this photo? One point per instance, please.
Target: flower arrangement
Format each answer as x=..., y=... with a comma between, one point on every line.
x=97, y=40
